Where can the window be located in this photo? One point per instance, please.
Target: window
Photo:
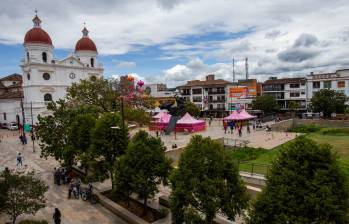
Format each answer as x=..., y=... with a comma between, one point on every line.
x=341, y=84
x=44, y=57
x=197, y=99
x=46, y=76
x=47, y=97
x=294, y=85
x=28, y=76
x=92, y=62
x=294, y=94
x=197, y=91
x=5, y=116
x=302, y=93
x=316, y=85
x=327, y=84
x=28, y=56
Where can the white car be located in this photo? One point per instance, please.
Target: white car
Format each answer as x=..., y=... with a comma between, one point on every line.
x=12, y=126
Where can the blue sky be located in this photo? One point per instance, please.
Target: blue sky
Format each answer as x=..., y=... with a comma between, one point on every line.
x=172, y=41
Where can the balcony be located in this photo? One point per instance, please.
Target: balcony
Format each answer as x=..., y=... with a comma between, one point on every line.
x=216, y=92
x=185, y=94
x=217, y=101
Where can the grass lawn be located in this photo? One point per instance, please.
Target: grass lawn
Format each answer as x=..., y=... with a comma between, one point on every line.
x=339, y=142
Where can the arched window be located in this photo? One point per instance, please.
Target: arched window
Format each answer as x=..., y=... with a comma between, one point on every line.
x=27, y=56
x=92, y=62
x=47, y=97
x=28, y=76
x=44, y=57
x=46, y=76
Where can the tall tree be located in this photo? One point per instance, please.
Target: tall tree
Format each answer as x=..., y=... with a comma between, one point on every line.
x=142, y=168
x=54, y=131
x=305, y=185
x=109, y=142
x=25, y=194
x=98, y=92
x=192, y=109
x=328, y=101
x=206, y=182
x=265, y=103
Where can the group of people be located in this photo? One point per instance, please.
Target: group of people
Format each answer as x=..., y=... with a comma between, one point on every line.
x=23, y=139
x=62, y=175
x=238, y=126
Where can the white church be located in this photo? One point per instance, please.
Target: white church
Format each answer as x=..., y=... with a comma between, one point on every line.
x=45, y=78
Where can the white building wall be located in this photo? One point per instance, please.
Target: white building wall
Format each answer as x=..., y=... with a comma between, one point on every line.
x=12, y=108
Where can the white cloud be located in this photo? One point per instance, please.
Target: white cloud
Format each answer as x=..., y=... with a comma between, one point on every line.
x=126, y=64
x=119, y=27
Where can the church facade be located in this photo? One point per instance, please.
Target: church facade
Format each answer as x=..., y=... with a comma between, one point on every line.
x=45, y=78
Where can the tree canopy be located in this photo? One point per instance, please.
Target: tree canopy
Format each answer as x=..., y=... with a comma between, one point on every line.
x=109, y=142
x=328, y=101
x=192, y=109
x=205, y=183
x=143, y=167
x=24, y=194
x=305, y=185
x=266, y=103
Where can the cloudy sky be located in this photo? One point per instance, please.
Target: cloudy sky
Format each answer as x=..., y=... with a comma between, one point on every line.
x=172, y=41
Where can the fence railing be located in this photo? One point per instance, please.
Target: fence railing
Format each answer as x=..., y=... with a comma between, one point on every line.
x=254, y=168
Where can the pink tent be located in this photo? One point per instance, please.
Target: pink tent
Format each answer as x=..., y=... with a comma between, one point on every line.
x=162, y=117
x=242, y=116
x=189, y=123
x=160, y=122
x=246, y=114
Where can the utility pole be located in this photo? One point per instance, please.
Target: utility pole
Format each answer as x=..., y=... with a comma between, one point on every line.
x=246, y=66
x=32, y=129
x=122, y=114
x=23, y=118
x=233, y=70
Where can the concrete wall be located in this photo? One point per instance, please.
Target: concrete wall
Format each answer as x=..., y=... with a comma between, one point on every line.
x=283, y=125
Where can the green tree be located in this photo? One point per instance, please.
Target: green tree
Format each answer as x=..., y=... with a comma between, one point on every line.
x=143, y=167
x=305, y=185
x=265, y=103
x=192, y=109
x=97, y=92
x=25, y=194
x=205, y=183
x=328, y=101
x=109, y=143
x=55, y=131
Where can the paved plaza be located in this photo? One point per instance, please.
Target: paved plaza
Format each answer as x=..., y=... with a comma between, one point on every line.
x=260, y=138
x=77, y=211
x=73, y=211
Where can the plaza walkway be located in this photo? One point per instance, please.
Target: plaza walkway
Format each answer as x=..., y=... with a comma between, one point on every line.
x=73, y=211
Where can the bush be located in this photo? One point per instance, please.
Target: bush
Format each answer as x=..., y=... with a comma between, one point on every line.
x=306, y=128
x=27, y=221
x=335, y=131
x=245, y=154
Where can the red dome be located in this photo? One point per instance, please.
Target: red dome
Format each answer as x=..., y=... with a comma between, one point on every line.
x=38, y=36
x=85, y=44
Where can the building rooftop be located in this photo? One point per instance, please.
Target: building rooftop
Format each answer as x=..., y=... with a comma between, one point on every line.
x=210, y=80
x=285, y=81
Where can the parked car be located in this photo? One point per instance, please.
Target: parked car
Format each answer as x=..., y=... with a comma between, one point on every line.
x=13, y=126
x=3, y=125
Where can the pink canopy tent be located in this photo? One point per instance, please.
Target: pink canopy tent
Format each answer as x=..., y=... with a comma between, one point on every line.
x=242, y=116
x=160, y=121
x=189, y=123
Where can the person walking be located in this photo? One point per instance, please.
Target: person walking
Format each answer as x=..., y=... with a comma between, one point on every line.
x=57, y=216
x=19, y=159
x=248, y=129
x=225, y=127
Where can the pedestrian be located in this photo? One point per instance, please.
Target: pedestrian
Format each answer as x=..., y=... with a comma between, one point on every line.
x=248, y=129
x=157, y=134
x=19, y=159
x=21, y=139
x=24, y=140
x=240, y=131
x=54, y=175
x=225, y=127
x=57, y=216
